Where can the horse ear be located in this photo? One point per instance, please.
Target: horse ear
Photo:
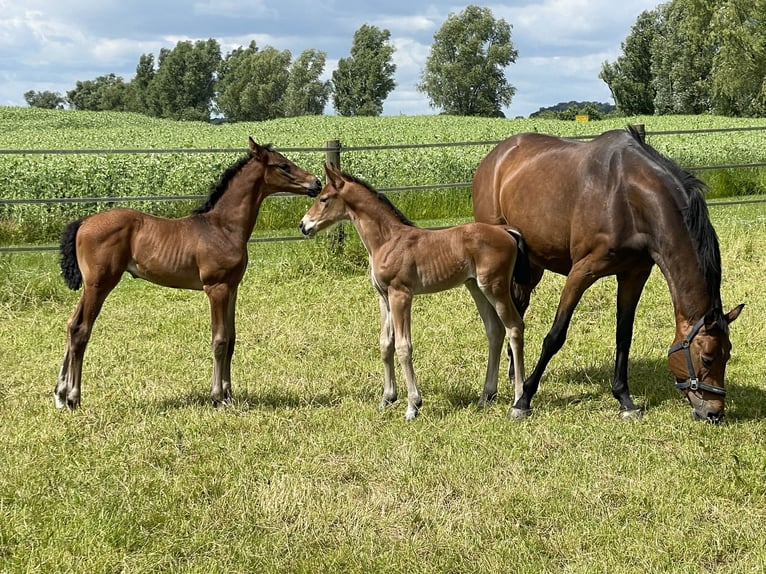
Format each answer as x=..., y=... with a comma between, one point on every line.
x=333, y=175
x=734, y=313
x=255, y=149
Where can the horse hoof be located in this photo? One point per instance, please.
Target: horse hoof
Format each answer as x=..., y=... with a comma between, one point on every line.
x=58, y=401
x=519, y=414
x=631, y=415
x=410, y=414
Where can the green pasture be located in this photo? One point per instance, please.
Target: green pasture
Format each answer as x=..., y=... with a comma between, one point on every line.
x=303, y=473
x=105, y=175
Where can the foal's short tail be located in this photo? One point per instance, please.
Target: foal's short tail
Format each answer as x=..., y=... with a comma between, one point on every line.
x=521, y=270
x=70, y=269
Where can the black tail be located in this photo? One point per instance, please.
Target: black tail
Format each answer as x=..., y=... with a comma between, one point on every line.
x=70, y=270
x=521, y=271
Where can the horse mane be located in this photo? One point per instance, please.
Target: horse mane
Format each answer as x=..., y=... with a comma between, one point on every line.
x=697, y=222
x=383, y=199
x=218, y=189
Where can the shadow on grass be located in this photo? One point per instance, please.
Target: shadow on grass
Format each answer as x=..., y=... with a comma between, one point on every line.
x=650, y=381
x=651, y=385
x=245, y=400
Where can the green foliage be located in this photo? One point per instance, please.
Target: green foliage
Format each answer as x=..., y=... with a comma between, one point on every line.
x=183, y=86
x=168, y=174
x=306, y=93
x=465, y=70
x=363, y=80
x=252, y=84
x=630, y=77
x=47, y=100
x=691, y=57
x=105, y=93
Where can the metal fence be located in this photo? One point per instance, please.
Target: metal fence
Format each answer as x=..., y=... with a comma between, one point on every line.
x=333, y=151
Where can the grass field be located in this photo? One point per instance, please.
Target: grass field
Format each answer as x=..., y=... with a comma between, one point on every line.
x=304, y=474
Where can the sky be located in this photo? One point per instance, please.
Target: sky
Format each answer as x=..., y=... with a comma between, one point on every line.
x=49, y=45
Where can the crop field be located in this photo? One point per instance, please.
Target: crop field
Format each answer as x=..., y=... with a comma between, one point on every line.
x=302, y=472
x=41, y=176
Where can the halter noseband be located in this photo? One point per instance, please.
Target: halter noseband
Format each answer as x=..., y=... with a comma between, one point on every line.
x=693, y=383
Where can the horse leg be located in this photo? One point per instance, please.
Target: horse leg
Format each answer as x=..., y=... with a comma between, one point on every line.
x=232, y=336
x=579, y=279
x=521, y=295
x=401, y=309
x=219, y=297
x=493, y=328
x=387, y=353
x=497, y=294
x=79, y=328
x=629, y=288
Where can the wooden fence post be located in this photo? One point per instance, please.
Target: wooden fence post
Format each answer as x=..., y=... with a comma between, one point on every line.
x=640, y=130
x=332, y=156
x=332, y=152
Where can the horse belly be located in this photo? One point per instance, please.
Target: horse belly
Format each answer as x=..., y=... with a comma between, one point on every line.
x=164, y=255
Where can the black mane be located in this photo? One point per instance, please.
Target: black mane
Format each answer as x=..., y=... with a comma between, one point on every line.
x=387, y=202
x=697, y=221
x=217, y=190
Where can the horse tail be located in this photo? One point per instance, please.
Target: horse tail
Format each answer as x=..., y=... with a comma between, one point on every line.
x=522, y=272
x=70, y=269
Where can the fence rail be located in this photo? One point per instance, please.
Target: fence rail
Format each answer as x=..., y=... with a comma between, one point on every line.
x=333, y=149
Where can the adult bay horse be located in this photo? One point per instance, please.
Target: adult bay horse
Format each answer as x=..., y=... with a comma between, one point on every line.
x=206, y=250
x=406, y=260
x=614, y=206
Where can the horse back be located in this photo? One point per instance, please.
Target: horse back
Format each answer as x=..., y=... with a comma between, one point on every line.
x=569, y=198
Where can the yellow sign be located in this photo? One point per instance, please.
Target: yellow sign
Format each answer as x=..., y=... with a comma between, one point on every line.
x=581, y=118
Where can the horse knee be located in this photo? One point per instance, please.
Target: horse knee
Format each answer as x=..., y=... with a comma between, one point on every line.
x=404, y=351
x=220, y=346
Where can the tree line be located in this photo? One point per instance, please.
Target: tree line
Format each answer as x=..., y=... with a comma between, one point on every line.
x=693, y=57
x=464, y=75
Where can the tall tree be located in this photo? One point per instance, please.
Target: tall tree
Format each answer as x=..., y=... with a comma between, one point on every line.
x=252, y=84
x=464, y=73
x=139, y=95
x=682, y=58
x=739, y=63
x=183, y=86
x=105, y=93
x=47, y=99
x=630, y=77
x=306, y=94
x=362, y=82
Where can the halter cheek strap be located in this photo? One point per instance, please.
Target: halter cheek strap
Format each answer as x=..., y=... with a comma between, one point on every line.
x=693, y=383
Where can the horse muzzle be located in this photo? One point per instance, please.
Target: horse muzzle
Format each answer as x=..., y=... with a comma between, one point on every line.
x=315, y=188
x=705, y=410
x=307, y=226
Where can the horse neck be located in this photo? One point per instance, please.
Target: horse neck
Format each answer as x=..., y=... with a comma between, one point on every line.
x=374, y=221
x=236, y=211
x=689, y=292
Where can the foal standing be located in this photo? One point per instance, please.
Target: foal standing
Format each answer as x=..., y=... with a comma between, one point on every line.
x=406, y=261
x=204, y=251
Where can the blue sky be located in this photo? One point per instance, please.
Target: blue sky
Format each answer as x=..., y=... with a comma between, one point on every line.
x=50, y=45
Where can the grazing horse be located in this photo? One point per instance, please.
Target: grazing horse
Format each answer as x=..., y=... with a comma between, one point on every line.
x=406, y=260
x=206, y=250
x=614, y=206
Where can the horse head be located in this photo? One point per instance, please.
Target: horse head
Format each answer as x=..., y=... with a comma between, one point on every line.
x=698, y=362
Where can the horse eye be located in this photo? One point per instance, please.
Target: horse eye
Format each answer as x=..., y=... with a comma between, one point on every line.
x=284, y=166
x=324, y=200
x=707, y=361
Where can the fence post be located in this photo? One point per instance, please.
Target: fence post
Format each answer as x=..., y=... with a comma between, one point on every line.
x=332, y=157
x=332, y=152
x=640, y=130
